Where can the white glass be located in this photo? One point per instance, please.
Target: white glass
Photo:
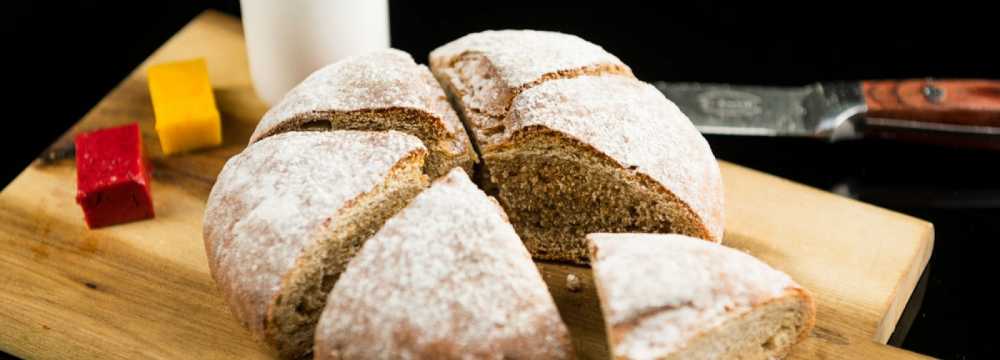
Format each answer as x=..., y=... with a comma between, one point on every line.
x=289, y=39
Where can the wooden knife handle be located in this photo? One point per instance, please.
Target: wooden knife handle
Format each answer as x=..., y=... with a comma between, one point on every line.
x=950, y=112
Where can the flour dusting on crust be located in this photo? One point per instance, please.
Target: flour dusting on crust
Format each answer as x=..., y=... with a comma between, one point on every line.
x=521, y=57
x=446, y=277
x=634, y=124
x=383, y=79
x=270, y=201
x=670, y=288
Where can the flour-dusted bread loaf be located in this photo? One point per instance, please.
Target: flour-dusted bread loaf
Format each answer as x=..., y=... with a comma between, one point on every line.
x=574, y=144
x=676, y=297
x=380, y=90
x=286, y=215
x=445, y=278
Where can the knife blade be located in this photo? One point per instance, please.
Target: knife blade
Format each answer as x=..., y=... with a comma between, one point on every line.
x=957, y=112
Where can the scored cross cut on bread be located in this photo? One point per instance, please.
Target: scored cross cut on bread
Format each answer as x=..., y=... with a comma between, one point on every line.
x=445, y=278
x=675, y=297
x=286, y=215
x=483, y=72
x=571, y=151
x=376, y=91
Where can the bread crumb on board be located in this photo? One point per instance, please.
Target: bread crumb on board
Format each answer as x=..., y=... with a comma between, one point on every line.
x=573, y=283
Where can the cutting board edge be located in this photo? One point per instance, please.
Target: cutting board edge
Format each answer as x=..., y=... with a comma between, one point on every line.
x=907, y=285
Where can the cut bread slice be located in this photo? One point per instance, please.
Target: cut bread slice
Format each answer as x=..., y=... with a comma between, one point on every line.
x=445, y=278
x=676, y=297
x=286, y=215
x=380, y=90
x=601, y=154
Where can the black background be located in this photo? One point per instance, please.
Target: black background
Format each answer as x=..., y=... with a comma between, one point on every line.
x=60, y=58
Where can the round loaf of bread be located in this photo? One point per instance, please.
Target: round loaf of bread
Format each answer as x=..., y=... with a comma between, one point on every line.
x=324, y=229
x=380, y=90
x=286, y=215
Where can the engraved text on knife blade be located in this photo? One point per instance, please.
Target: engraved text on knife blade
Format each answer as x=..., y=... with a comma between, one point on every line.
x=826, y=110
x=742, y=110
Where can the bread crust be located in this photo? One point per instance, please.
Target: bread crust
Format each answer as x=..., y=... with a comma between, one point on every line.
x=277, y=198
x=716, y=286
x=512, y=85
x=634, y=126
x=483, y=72
x=445, y=278
x=631, y=125
x=520, y=58
x=375, y=85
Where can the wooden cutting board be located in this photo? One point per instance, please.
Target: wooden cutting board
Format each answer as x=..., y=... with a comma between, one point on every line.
x=143, y=289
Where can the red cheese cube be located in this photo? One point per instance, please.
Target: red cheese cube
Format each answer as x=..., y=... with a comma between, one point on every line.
x=112, y=176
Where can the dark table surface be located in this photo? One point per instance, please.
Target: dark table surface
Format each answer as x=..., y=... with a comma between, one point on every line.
x=61, y=58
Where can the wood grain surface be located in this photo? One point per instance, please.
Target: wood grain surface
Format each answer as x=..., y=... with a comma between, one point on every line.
x=142, y=290
x=951, y=112
x=943, y=101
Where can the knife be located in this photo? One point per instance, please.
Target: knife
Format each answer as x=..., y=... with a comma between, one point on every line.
x=951, y=112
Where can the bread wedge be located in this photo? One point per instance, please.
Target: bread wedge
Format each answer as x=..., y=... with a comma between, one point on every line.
x=445, y=278
x=286, y=215
x=380, y=90
x=572, y=143
x=676, y=297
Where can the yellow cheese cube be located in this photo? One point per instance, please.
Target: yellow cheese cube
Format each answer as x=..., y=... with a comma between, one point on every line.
x=186, y=116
